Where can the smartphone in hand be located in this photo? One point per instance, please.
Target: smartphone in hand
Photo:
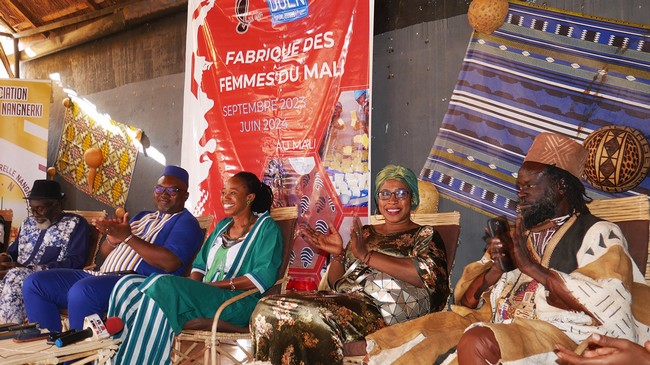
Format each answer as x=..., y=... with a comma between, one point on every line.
x=498, y=227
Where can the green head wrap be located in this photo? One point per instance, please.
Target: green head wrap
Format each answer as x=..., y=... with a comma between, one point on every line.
x=403, y=174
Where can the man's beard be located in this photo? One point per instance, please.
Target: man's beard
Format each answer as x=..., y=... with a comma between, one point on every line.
x=44, y=225
x=542, y=210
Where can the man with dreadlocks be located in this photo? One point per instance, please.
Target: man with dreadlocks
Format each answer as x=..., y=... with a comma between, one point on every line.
x=573, y=277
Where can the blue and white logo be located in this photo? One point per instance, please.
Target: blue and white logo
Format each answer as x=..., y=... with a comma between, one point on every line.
x=284, y=11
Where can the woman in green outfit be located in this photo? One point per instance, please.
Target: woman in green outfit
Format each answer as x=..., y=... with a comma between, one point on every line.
x=388, y=273
x=243, y=252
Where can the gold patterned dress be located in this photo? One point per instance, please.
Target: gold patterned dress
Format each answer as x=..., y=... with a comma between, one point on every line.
x=311, y=328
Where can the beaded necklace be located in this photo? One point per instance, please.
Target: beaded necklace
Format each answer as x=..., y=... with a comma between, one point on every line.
x=229, y=241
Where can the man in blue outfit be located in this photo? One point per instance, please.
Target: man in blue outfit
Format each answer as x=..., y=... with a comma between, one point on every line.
x=48, y=239
x=163, y=241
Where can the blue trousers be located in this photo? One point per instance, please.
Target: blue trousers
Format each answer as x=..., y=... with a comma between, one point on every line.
x=46, y=292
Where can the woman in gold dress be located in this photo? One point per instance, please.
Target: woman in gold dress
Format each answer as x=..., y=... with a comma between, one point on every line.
x=388, y=273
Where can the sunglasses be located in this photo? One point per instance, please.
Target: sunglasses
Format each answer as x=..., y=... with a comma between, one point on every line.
x=171, y=191
x=400, y=194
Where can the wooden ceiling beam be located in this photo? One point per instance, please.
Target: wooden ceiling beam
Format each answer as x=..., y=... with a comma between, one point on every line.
x=89, y=31
x=142, y=11
x=6, y=25
x=75, y=20
x=24, y=12
x=93, y=5
x=136, y=13
x=64, y=12
x=5, y=62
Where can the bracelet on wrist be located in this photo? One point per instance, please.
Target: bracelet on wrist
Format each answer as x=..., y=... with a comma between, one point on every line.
x=4, y=254
x=340, y=258
x=367, y=256
x=111, y=244
x=126, y=240
x=232, y=284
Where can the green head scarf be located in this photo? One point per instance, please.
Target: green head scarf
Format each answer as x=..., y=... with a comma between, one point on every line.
x=403, y=174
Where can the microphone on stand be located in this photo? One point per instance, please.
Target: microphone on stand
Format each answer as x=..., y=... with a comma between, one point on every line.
x=93, y=328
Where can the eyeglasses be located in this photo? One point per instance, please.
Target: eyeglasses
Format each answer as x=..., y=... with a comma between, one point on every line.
x=39, y=209
x=171, y=191
x=400, y=194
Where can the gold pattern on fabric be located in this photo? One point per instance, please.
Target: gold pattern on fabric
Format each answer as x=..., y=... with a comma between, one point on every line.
x=119, y=148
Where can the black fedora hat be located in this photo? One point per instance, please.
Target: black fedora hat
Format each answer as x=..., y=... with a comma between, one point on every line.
x=45, y=190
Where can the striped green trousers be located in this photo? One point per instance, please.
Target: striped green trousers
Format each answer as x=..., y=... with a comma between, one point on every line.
x=147, y=336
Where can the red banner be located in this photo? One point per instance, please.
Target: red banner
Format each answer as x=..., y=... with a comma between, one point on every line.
x=279, y=88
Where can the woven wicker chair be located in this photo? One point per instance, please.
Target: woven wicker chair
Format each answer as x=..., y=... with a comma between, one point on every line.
x=7, y=216
x=212, y=332
x=205, y=222
x=94, y=236
x=447, y=224
x=632, y=214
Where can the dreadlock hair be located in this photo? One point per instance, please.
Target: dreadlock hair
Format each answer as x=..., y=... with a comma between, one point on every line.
x=575, y=191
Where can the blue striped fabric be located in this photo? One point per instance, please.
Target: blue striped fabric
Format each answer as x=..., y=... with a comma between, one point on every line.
x=124, y=257
x=542, y=71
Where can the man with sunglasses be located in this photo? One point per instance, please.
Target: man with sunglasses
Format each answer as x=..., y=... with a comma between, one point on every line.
x=163, y=241
x=48, y=238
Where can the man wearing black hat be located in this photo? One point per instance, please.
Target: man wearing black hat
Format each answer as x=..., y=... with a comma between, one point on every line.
x=47, y=239
x=163, y=241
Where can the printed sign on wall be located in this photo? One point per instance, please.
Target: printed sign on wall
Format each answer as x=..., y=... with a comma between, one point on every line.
x=280, y=89
x=24, y=122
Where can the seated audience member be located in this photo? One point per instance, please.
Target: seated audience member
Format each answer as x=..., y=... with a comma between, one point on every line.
x=243, y=252
x=572, y=278
x=607, y=350
x=407, y=259
x=163, y=241
x=47, y=239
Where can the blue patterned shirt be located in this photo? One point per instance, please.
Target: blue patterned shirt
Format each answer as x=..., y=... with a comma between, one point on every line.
x=64, y=244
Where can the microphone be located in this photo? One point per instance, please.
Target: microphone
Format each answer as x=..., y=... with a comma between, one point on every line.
x=93, y=328
x=53, y=336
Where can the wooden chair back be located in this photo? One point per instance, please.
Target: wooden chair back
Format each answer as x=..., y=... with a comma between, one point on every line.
x=447, y=224
x=7, y=216
x=205, y=222
x=94, y=236
x=285, y=217
x=632, y=214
